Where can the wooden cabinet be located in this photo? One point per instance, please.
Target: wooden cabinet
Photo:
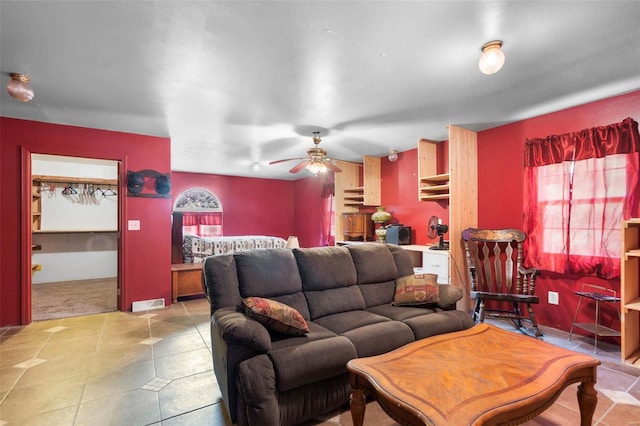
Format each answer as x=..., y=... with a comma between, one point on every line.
x=354, y=190
x=357, y=226
x=630, y=292
x=432, y=186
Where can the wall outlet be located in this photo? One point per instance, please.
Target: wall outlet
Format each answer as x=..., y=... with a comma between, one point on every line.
x=553, y=298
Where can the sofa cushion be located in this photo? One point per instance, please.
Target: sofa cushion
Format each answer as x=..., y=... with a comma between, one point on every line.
x=375, y=339
x=267, y=273
x=402, y=259
x=311, y=362
x=323, y=268
x=316, y=332
x=401, y=313
x=419, y=289
x=439, y=323
x=275, y=316
x=344, y=321
x=377, y=293
x=335, y=300
x=374, y=263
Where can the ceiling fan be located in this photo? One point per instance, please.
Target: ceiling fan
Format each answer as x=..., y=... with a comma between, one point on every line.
x=316, y=161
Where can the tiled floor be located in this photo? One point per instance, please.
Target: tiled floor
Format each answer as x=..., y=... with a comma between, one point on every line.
x=152, y=368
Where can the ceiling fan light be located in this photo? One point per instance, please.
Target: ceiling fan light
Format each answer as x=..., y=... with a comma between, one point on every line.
x=492, y=58
x=316, y=168
x=393, y=155
x=19, y=88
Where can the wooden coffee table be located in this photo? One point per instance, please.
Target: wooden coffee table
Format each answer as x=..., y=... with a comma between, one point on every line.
x=480, y=376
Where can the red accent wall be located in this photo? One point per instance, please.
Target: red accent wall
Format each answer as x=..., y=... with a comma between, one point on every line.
x=251, y=206
x=146, y=254
x=500, y=189
x=308, y=209
x=400, y=197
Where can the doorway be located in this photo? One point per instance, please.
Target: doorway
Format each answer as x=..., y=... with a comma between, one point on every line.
x=75, y=205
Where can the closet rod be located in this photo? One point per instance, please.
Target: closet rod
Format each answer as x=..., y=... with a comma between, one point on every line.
x=63, y=179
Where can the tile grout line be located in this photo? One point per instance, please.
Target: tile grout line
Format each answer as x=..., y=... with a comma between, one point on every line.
x=86, y=382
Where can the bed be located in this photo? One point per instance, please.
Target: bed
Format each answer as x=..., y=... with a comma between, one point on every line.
x=195, y=248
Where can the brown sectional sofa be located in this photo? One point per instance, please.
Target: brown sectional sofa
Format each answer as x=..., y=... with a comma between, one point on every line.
x=343, y=293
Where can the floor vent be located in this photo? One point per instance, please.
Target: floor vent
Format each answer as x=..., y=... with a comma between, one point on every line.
x=147, y=305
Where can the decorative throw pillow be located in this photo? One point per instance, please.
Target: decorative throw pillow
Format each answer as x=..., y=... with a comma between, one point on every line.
x=275, y=316
x=418, y=289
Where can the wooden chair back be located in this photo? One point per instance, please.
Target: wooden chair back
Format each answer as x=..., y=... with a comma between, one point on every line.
x=494, y=260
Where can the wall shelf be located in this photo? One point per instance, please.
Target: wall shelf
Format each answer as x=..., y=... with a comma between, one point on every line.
x=630, y=292
x=67, y=179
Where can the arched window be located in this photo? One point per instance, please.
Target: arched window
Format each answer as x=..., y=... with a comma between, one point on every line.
x=201, y=212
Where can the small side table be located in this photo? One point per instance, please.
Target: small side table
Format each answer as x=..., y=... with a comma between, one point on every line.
x=599, y=294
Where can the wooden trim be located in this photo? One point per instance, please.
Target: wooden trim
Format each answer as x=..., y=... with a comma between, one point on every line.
x=25, y=231
x=176, y=238
x=463, y=201
x=63, y=179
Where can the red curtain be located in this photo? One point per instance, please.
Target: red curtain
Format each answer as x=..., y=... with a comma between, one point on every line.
x=578, y=188
x=198, y=223
x=327, y=215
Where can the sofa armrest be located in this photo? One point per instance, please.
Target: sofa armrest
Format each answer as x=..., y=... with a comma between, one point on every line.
x=236, y=328
x=448, y=296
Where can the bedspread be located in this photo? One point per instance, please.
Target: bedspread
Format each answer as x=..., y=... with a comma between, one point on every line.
x=196, y=249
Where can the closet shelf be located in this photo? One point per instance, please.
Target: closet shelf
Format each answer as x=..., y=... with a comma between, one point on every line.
x=73, y=231
x=63, y=179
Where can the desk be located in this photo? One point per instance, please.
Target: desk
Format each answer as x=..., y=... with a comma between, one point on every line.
x=186, y=280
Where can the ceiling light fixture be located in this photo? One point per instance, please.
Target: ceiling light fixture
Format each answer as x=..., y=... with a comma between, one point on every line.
x=18, y=87
x=393, y=155
x=492, y=57
x=256, y=167
x=316, y=167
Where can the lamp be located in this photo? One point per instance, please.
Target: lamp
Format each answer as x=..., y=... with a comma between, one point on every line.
x=292, y=242
x=393, y=155
x=492, y=57
x=316, y=167
x=18, y=87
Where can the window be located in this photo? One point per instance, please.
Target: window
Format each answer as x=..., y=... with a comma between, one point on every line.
x=202, y=213
x=574, y=207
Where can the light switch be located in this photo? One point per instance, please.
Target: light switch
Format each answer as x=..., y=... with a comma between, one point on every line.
x=134, y=225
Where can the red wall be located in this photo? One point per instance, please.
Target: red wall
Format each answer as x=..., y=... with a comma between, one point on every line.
x=146, y=254
x=251, y=206
x=400, y=196
x=500, y=189
x=308, y=209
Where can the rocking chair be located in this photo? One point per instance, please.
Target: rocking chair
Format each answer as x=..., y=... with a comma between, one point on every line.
x=494, y=258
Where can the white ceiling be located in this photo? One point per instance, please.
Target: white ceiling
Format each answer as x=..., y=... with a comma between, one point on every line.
x=233, y=83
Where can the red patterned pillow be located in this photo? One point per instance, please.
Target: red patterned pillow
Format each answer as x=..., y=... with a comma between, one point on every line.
x=419, y=289
x=275, y=316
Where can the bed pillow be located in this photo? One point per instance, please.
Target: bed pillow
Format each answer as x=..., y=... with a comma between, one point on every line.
x=418, y=289
x=275, y=316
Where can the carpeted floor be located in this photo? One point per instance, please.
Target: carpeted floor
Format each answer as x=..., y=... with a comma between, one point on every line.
x=73, y=298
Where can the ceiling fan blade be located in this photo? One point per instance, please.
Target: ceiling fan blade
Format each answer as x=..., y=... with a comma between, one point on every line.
x=329, y=165
x=299, y=167
x=288, y=159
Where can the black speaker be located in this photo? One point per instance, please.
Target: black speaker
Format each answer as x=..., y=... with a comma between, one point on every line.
x=399, y=235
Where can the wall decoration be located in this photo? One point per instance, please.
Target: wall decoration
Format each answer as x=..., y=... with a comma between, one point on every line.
x=148, y=184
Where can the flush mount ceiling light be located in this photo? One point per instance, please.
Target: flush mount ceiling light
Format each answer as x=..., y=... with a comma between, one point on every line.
x=492, y=57
x=393, y=155
x=256, y=167
x=18, y=87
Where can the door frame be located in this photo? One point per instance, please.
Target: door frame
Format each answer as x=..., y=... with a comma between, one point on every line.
x=26, y=231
